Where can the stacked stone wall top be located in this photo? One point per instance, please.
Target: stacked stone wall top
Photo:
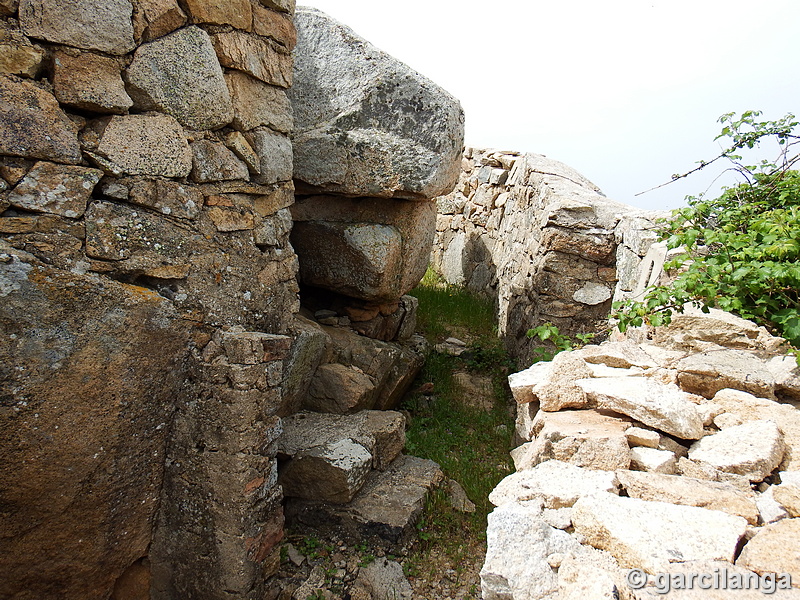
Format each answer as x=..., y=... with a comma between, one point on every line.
x=145, y=187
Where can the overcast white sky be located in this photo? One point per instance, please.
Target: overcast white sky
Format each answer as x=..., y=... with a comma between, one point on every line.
x=627, y=92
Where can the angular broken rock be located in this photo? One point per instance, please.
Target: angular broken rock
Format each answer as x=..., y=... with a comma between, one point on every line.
x=558, y=390
x=368, y=248
x=385, y=510
x=523, y=382
x=256, y=104
x=151, y=144
x=689, y=492
x=709, y=372
x=383, y=579
x=753, y=449
x=663, y=407
x=620, y=355
x=650, y=535
x=336, y=388
x=590, y=573
x=750, y=408
x=518, y=544
x=382, y=433
x=638, y=436
x=103, y=25
x=585, y=438
x=331, y=472
x=788, y=496
x=180, y=75
x=56, y=189
x=90, y=82
x=557, y=484
x=774, y=549
x=366, y=124
x=769, y=511
x=214, y=162
x=653, y=460
x=33, y=125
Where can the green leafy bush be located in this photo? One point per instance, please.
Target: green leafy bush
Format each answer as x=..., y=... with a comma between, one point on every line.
x=740, y=250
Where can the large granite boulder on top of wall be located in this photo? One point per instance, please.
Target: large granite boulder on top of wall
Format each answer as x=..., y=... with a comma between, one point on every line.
x=365, y=123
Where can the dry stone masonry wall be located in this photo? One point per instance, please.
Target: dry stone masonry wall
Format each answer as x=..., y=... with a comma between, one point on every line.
x=540, y=240
x=148, y=285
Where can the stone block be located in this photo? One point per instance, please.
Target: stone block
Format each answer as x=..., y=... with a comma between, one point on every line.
x=585, y=438
x=753, y=449
x=330, y=472
x=237, y=13
x=151, y=144
x=663, y=407
x=688, y=491
x=167, y=197
x=90, y=82
x=774, y=550
x=275, y=25
x=557, y=484
x=519, y=542
x=17, y=55
x=103, y=25
x=383, y=246
x=262, y=58
x=339, y=389
x=156, y=18
x=650, y=535
x=33, y=125
x=653, y=460
x=214, y=162
x=179, y=74
x=274, y=152
x=56, y=189
x=256, y=104
x=709, y=372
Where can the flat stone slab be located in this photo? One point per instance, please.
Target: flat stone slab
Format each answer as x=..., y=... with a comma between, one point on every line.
x=688, y=491
x=663, y=407
x=774, y=549
x=386, y=509
x=750, y=408
x=557, y=484
x=585, y=438
x=382, y=433
x=753, y=449
x=650, y=535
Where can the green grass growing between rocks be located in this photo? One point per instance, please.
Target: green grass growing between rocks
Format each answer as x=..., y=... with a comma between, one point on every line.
x=470, y=443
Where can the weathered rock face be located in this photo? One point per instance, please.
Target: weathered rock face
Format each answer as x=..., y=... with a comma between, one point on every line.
x=366, y=124
x=86, y=409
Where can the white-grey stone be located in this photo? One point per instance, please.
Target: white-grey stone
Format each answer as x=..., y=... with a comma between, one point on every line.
x=638, y=436
x=518, y=544
x=769, y=510
x=650, y=535
x=331, y=472
x=275, y=155
x=753, y=449
x=366, y=124
x=383, y=579
x=557, y=483
x=653, y=460
x=660, y=406
x=689, y=491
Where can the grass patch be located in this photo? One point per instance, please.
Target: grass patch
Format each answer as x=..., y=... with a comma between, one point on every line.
x=470, y=444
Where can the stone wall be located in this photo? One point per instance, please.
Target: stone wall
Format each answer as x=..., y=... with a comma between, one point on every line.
x=148, y=288
x=541, y=241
